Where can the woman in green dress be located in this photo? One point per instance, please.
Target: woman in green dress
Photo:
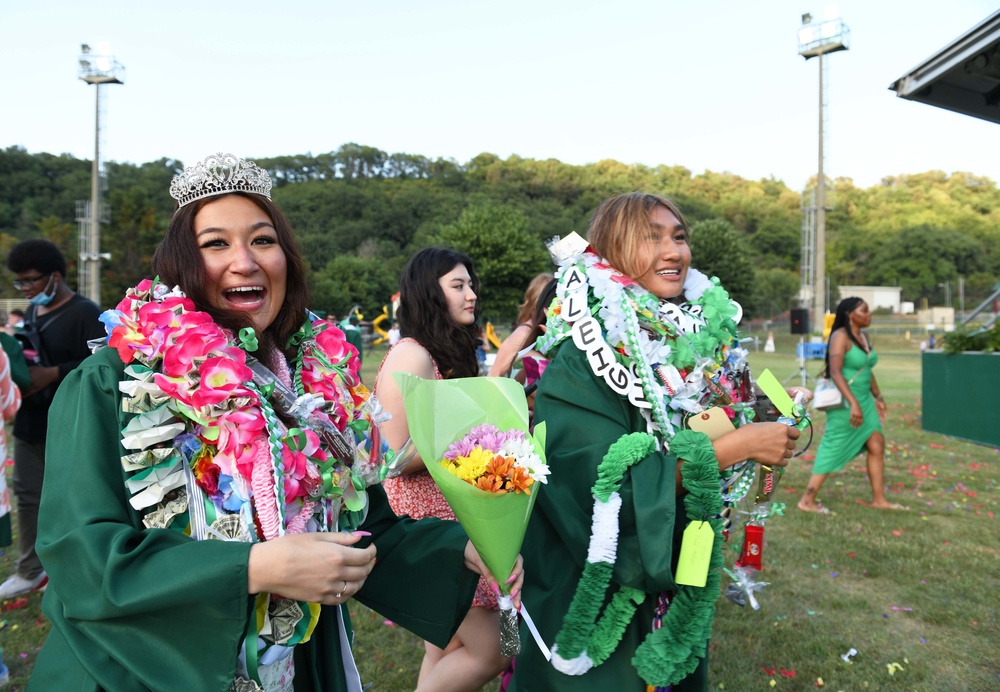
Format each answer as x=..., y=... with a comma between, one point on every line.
x=211, y=500
x=857, y=426
x=638, y=340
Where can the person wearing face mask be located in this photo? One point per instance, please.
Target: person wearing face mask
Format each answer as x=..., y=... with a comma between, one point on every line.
x=58, y=324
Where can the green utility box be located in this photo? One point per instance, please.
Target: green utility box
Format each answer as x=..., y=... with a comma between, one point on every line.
x=959, y=395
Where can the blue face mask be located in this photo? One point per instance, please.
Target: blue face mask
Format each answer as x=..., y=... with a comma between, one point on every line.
x=43, y=298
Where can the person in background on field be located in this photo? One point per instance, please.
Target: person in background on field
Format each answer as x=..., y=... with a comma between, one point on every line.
x=15, y=322
x=857, y=426
x=58, y=325
x=393, y=335
x=518, y=339
x=352, y=330
x=437, y=314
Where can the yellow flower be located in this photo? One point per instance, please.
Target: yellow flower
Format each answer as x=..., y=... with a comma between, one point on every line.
x=471, y=467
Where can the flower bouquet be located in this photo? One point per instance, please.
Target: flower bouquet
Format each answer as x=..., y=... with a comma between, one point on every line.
x=487, y=466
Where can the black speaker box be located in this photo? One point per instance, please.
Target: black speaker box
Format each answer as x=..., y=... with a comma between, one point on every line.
x=800, y=320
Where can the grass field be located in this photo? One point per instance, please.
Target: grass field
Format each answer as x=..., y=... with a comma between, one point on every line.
x=914, y=593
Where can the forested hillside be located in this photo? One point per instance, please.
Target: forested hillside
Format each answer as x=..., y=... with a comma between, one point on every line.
x=359, y=212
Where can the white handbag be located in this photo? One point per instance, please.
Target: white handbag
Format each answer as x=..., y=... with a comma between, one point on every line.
x=826, y=396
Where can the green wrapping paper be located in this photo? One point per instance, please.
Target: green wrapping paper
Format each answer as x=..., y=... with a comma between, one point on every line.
x=440, y=412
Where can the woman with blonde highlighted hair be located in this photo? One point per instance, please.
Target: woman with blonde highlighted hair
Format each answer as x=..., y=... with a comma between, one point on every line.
x=518, y=339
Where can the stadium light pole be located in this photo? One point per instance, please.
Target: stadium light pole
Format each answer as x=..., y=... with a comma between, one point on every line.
x=97, y=68
x=816, y=39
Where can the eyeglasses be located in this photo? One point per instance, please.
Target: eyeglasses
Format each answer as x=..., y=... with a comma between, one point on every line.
x=21, y=284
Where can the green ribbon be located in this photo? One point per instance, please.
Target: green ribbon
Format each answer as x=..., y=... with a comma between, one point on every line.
x=248, y=339
x=297, y=439
x=360, y=425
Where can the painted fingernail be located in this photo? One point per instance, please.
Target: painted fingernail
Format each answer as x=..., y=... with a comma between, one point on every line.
x=511, y=579
x=360, y=533
x=495, y=588
x=514, y=593
x=374, y=560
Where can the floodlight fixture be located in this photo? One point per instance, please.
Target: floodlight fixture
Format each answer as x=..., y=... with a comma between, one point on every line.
x=100, y=67
x=821, y=37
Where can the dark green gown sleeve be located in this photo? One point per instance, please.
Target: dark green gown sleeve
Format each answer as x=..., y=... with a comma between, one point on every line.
x=583, y=417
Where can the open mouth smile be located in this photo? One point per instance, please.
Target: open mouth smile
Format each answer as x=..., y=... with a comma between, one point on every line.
x=245, y=297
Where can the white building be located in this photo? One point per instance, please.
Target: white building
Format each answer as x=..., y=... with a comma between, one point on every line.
x=876, y=296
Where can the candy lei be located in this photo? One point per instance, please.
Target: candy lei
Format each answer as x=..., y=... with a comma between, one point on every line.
x=654, y=381
x=208, y=454
x=188, y=380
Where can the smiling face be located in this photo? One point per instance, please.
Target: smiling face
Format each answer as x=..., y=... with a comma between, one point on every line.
x=666, y=253
x=246, y=267
x=456, y=286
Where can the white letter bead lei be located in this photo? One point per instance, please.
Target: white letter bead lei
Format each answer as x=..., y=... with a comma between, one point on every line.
x=588, y=337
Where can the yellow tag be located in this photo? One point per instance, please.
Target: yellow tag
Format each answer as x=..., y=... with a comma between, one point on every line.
x=696, y=553
x=714, y=422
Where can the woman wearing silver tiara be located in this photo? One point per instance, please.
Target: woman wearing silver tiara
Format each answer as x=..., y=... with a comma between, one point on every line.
x=638, y=339
x=213, y=497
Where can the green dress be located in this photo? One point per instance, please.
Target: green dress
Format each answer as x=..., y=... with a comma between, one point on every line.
x=841, y=442
x=583, y=417
x=135, y=609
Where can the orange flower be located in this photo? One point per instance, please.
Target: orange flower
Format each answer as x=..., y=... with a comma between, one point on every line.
x=501, y=466
x=491, y=484
x=521, y=481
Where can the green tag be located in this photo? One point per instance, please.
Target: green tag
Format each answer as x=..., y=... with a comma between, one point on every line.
x=696, y=552
x=769, y=384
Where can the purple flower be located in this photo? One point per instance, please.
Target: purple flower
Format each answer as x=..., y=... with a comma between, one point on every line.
x=487, y=436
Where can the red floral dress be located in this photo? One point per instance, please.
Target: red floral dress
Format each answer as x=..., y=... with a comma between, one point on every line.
x=417, y=495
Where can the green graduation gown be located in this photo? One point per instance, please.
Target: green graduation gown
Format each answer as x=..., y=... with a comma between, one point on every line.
x=151, y=609
x=583, y=418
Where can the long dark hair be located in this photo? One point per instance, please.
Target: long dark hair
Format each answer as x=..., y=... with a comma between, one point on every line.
x=177, y=261
x=842, y=319
x=423, y=312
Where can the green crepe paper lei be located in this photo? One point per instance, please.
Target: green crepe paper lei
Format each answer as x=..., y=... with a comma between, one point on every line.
x=581, y=631
x=672, y=652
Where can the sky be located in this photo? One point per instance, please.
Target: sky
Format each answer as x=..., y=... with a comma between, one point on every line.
x=709, y=85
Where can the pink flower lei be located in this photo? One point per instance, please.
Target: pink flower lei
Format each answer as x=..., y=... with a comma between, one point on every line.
x=182, y=368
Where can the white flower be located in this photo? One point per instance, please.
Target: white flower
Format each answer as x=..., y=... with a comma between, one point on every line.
x=524, y=456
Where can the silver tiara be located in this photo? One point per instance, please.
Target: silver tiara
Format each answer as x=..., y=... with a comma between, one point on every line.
x=219, y=174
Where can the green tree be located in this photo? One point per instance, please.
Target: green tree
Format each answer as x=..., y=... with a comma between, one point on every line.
x=720, y=250
x=774, y=292
x=920, y=258
x=507, y=256
x=347, y=281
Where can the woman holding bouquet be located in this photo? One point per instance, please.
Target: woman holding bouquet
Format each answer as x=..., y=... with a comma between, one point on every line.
x=206, y=470
x=638, y=340
x=437, y=317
